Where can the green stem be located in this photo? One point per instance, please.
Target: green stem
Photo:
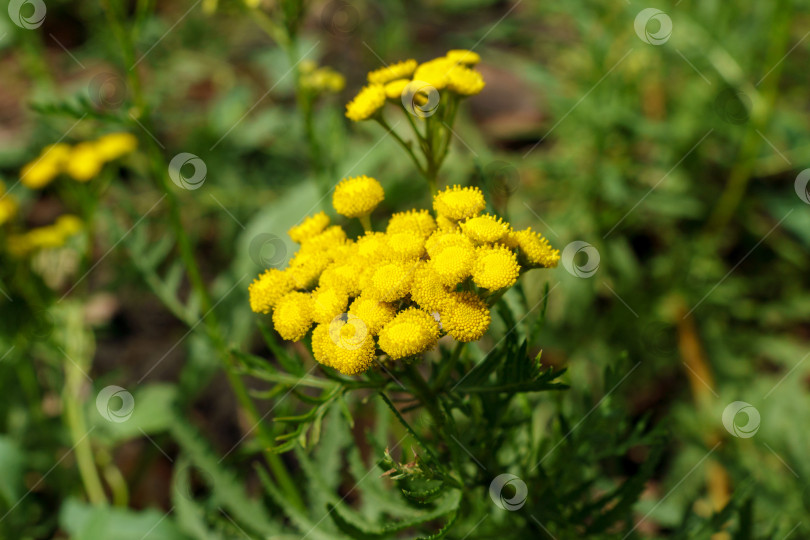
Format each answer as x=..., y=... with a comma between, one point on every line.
x=365, y=221
x=447, y=368
x=159, y=168
x=403, y=144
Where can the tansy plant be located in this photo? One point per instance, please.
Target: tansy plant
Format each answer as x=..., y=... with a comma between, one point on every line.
x=420, y=289
x=429, y=94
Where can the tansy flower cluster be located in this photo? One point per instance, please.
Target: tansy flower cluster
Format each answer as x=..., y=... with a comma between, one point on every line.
x=46, y=237
x=82, y=162
x=395, y=293
x=452, y=73
x=321, y=79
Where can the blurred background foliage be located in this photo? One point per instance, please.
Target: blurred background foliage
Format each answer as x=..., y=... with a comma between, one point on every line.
x=676, y=162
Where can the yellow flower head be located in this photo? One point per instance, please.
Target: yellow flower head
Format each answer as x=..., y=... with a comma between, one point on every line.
x=343, y=345
x=267, y=290
x=84, y=162
x=406, y=246
x=292, y=315
x=366, y=103
x=47, y=166
x=413, y=221
x=411, y=332
x=465, y=317
x=343, y=276
x=400, y=70
x=485, y=228
x=394, y=89
x=495, y=267
x=358, y=196
x=440, y=240
x=389, y=282
x=8, y=208
x=452, y=264
x=328, y=242
x=323, y=79
x=373, y=247
x=463, y=56
x=458, y=203
x=115, y=145
x=446, y=224
x=427, y=289
x=534, y=248
x=464, y=81
x=68, y=225
x=372, y=312
x=328, y=303
x=311, y=226
x=306, y=267
x=434, y=72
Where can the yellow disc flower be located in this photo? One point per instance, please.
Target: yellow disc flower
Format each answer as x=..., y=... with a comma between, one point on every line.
x=427, y=289
x=413, y=221
x=84, y=162
x=464, y=81
x=8, y=205
x=486, y=228
x=452, y=264
x=399, y=70
x=343, y=276
x=366, y=103
x=372, y=312
x=440, y=240
x=534, y=248
x=373, y=247
x=292, y=315
x=462, y=56
x=311, y=226
x=267, y=290
x=339, y=346
x=459, y=203
x=357, y=197
x=47, y=166
x=328, y=303
x=390, y=281
x=495, y=267
x=433, y=72
x=465, y=317
x=115, y=145
x=394, y=89
x=306, y=267
x=411, y=332
x=446, y=224
x=406, y=246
